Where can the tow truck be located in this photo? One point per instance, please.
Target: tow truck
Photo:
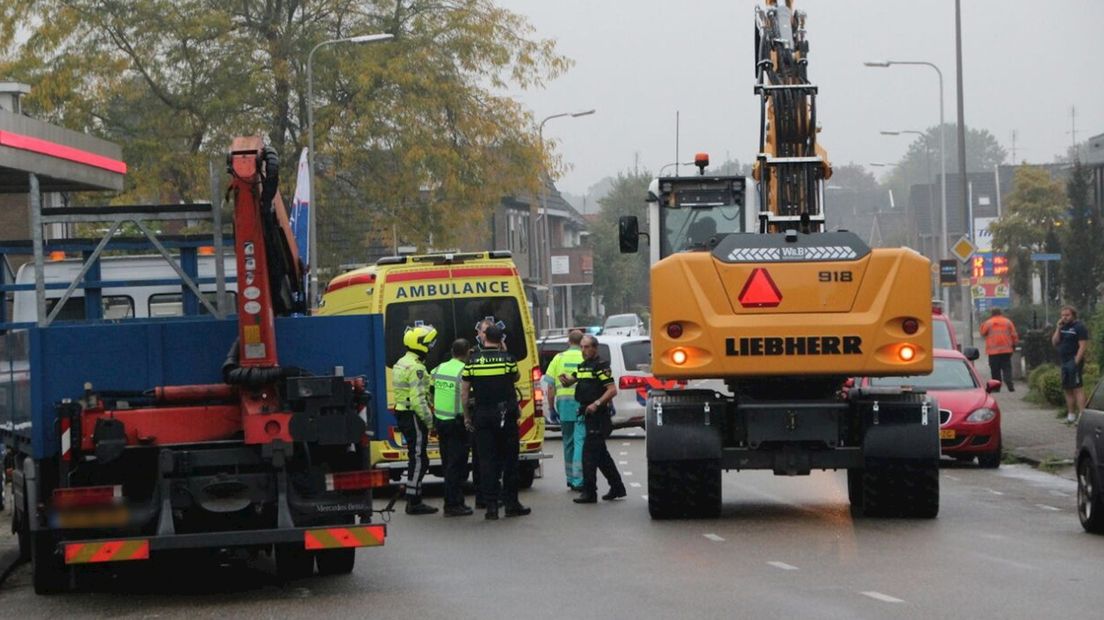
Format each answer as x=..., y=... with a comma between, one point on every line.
x=144, y=437
x=785, y=313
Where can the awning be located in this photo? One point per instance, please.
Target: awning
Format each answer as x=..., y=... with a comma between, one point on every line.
x=64, y=160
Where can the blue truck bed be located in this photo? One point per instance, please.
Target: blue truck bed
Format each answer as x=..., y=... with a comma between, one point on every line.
x=40, y=367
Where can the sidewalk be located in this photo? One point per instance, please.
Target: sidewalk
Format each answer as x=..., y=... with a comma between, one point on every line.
x=1031, y=432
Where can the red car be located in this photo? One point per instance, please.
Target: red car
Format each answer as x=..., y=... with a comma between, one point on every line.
x=969, y=417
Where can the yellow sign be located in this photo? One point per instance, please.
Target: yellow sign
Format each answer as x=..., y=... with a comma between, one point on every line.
x=963, y=249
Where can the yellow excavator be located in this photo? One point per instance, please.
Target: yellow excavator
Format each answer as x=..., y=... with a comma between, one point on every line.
x=786, y=314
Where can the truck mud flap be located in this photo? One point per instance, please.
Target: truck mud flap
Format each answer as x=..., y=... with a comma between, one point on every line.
x=684, y=426
x=900, y=429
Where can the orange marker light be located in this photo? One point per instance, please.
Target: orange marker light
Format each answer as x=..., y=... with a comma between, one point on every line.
x=678, y=356
x=906, y=353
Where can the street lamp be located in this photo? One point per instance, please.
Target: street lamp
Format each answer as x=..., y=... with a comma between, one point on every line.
x=942, y=154
x=312, y=217
x=542, y=219
x=674, y=163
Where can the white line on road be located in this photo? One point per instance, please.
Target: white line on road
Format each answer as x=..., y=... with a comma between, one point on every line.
x=995, y=492
x=782, y=565
x=885, y=598
x=1045, y=507
x=644, y=497
x=626, y=444
x=622, y=454
x=622, y=462
x=950, y=477
x=1059, y=493
x=635, y=485
x=713, y=537
x=627, y=473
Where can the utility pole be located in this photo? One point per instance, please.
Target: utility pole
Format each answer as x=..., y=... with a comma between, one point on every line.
x=1013, y=147
x=966, y=297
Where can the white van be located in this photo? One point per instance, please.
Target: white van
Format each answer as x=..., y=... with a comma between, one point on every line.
x=145, y=286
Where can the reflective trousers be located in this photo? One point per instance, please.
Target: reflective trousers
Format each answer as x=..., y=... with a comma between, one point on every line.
x=416, y=436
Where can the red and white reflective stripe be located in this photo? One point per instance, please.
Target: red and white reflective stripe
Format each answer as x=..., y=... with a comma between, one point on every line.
x=66, y=440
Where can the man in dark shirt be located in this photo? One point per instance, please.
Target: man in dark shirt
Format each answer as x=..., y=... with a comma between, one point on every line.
x=491, y=410
x=594, y=390
x=1072, y=340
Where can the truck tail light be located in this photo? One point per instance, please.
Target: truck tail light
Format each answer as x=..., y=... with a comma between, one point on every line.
x=79, y=497
x=357, y=480
x=631, y=382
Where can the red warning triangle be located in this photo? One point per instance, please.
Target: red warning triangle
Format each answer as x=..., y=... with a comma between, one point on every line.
x=760, y=291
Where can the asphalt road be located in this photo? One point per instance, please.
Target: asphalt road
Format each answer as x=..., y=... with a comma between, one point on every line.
x=1007, y=544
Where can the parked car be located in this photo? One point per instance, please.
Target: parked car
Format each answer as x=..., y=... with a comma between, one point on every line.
x=944, y=335
x=623, y=325
x=1090, y=467
x=969, y=416
x=630, y=359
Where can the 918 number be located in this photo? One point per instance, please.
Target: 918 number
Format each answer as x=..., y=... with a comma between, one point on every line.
x=834, y=276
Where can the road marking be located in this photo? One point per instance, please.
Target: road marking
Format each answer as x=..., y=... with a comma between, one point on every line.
x=644, y=496
x=713, y=537
x=626, y=444
x=622, y=454
x=622, y=462
x=878, y=596
x=950, y=477
x=782, y=565
x=635, y=485
x=995, y=492
x=1059, y=493
x=627, y=473
x=1045, y=507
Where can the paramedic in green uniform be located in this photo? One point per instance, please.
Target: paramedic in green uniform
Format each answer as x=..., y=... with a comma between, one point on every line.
x=567, y=408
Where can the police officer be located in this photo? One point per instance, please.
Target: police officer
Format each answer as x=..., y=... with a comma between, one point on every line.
x=451, y=432
x=594, y=389
x=412, y=413
x=571, y=427
x=492, y=411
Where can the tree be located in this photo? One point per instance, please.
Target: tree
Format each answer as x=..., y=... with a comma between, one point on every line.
x=1081, y=264
x=1034, y=207
x=983, y=153
x=621, y=279
x=412, y=133
x=853, y=177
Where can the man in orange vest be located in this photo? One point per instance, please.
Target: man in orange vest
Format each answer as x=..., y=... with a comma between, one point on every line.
x=1000, y=339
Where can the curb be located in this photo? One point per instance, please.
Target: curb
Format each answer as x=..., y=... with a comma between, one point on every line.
x=9, y=561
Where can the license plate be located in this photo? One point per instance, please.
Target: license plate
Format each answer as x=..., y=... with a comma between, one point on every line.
x=947, y=433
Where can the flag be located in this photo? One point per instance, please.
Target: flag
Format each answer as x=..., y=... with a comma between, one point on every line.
x=300, y=215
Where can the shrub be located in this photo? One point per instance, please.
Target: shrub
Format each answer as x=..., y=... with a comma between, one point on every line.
x=1035, y=377
x=1046, y=381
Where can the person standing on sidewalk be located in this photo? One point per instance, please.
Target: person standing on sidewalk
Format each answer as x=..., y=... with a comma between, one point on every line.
x=1071, y=337
x=594, y=390
x=453, y=436
x=571, y=427
x=1000, y=340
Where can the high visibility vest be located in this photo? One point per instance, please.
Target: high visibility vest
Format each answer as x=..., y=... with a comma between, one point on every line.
x=410, y=383
x=1000, y=335
x=564, y=363
x=446, y=390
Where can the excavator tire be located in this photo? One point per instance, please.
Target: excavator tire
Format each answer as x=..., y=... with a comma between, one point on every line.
x=901, y=490
x=684, y=489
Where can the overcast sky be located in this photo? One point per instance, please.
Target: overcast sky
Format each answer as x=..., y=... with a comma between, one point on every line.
x=638, y=61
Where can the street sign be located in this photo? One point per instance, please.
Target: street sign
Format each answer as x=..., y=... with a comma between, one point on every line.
x=1043, y=258
x=963, y=249
x=948, y=272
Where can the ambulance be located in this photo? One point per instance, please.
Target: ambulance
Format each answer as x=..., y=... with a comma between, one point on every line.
x=452, y=292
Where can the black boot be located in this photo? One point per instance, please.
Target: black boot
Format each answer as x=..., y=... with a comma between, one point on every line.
x=586, y=498
x=416, y=507
x=492, y=512
x=517, y=510
x=462, y=510
x=615, y=494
